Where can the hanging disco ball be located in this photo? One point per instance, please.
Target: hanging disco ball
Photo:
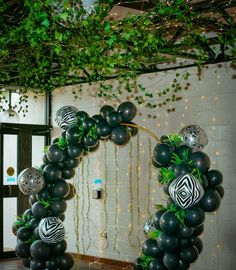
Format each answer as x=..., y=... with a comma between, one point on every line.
x=65, y=116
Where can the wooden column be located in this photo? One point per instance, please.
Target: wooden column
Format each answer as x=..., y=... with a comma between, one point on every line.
x=24, y=161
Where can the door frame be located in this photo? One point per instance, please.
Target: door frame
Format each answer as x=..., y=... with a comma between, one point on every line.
x=24, y=143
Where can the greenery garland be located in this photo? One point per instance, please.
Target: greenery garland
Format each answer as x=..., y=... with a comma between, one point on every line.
x=45, y=45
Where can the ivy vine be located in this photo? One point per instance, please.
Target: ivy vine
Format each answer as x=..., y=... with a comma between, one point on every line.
x=49, y=44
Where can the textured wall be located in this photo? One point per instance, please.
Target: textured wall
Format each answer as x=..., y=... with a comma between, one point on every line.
x=131, y=183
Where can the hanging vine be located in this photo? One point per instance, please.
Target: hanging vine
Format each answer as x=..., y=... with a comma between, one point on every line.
x=88, y=207
x=131, y=227
x=49, y=44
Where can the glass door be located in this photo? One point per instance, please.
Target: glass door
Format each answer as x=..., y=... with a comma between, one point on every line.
x=17, y=145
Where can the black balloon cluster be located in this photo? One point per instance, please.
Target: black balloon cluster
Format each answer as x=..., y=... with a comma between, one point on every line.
x=39, y=230
x=192, y=189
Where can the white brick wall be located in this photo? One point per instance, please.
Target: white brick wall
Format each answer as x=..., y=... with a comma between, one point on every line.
x=209, y=103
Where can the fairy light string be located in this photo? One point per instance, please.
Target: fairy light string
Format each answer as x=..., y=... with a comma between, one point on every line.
x=76, y=210
x=88, y=207
x=105, y=185
x=117, y=201
x=149, y=176
x=130, y=191
x=82, y=206
x=137, y=190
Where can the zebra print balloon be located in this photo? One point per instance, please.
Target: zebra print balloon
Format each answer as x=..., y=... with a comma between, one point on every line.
x=51, y=230
x=186, y=191
x=65, y=116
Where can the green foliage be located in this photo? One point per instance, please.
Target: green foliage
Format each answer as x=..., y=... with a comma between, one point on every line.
x=145, y=261
x=174, y=139
x=166, y=175
x=176, y=159
x=49, y=44
x=93, y=132
x=62, y=143
x=179, y=213
x=154, y=235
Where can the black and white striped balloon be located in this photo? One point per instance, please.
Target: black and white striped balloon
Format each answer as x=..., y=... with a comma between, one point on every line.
x=186, y=191
x=65, y=116
x=51, y=230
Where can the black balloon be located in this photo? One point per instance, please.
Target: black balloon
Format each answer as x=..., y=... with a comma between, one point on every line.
x=120, y=135
x=188, y=254
x=37, y=265
x=51, y=173
x=105, y=110
x=81, y=116
x=58, y=207
x=88, y=123
x=181, y=169
x=138, y=264
x=24, y=233
x=113, y=119
x=181, y=150
x=55, y=153
x=156, y=218
x=58, y=248
x=66, y=262
x=182, y=265
x=67, y=173
x=167, y=243
x=220, y=191
x=197, y=242
x=89, y=141
x=73, y=135
x=210, y=201
x=133, y=130
x=150, y=248
x=39, y=210
x=198, y=230
x=71, y=162
x=26, y=261
x=34, y=222
x=127, y=110
x=156, y=264
x=98, y=118
x=52, y=263
x=162, y=154
x=186, y=232
x=60, y=189
x=170, y=260
x=72, y=192
x=22, y=249
x=32, y=199
x=39, y=250
x=74, y=150
x=194, y=216
x=103, y=130
x=44, y=194
x=215, y=178
x=169, y=223
x=200, y=160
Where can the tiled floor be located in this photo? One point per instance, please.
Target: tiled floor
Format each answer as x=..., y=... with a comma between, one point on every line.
x=81, y=265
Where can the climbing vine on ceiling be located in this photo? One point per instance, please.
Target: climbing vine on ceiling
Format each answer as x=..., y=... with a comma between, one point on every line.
x=49, y=44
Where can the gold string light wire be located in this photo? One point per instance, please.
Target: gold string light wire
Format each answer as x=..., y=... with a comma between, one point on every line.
x=149, y=175
x=117, y=201
x=130, y=191
x=76, y=210
x=82, y=207
x=137, y=190
x=88, y=208
x=105, y=186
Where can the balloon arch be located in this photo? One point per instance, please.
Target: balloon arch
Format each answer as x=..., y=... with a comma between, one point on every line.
x=172, y=232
